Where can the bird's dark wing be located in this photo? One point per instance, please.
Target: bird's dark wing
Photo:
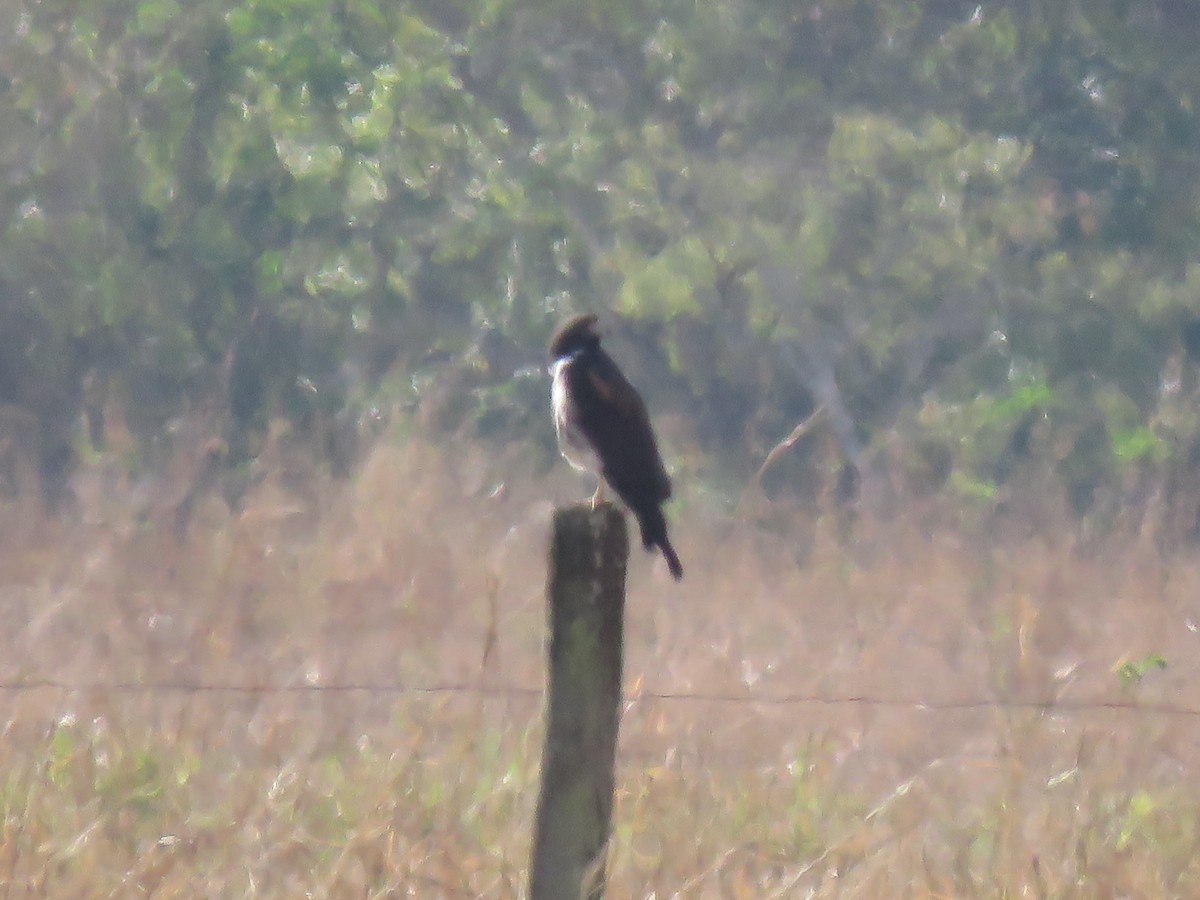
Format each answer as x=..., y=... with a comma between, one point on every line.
x=615, y=420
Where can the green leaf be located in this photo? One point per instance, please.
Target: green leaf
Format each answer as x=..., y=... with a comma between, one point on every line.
x=974, y=488
x=1131, y=673
x=1138, y=443
x=669, y=283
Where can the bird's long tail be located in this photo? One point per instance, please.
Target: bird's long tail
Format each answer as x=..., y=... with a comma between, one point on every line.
x=654, y=534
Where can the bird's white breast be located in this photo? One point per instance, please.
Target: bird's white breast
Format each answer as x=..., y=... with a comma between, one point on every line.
x=572, y=443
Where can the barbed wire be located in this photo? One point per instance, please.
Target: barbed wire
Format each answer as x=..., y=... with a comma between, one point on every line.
x=966, y=704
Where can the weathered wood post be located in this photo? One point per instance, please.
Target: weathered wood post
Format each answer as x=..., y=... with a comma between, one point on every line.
x=586, y=598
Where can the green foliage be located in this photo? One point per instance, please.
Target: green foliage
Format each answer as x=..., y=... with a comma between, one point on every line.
x=1131, y=672
x=967, y=215
x=1138, y=443
x=1139, y=813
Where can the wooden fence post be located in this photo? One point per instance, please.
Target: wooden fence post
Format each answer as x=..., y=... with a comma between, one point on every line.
x=586, y=598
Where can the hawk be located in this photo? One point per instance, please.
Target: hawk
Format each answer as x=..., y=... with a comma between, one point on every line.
x=603, y=428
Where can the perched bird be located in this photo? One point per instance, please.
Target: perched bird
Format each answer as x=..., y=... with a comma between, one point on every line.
x=603, y=428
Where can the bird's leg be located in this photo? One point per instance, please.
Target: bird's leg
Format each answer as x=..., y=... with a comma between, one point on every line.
x=598, y=497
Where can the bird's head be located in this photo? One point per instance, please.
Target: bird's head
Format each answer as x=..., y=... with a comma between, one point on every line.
x=577, y=333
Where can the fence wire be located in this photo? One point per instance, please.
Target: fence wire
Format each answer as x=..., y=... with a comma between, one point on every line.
x=965, y=704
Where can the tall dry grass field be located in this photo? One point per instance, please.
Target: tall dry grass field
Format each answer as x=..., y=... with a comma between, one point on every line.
x=337, y=693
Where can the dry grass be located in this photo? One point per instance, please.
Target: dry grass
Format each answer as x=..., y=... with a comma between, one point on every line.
x=383, y=793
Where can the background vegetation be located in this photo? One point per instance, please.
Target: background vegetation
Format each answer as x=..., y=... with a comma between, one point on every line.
x=348, y=703
x=276, y=278
x=968, y=231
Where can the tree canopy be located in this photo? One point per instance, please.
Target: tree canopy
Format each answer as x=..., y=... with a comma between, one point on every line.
x=968, y=231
